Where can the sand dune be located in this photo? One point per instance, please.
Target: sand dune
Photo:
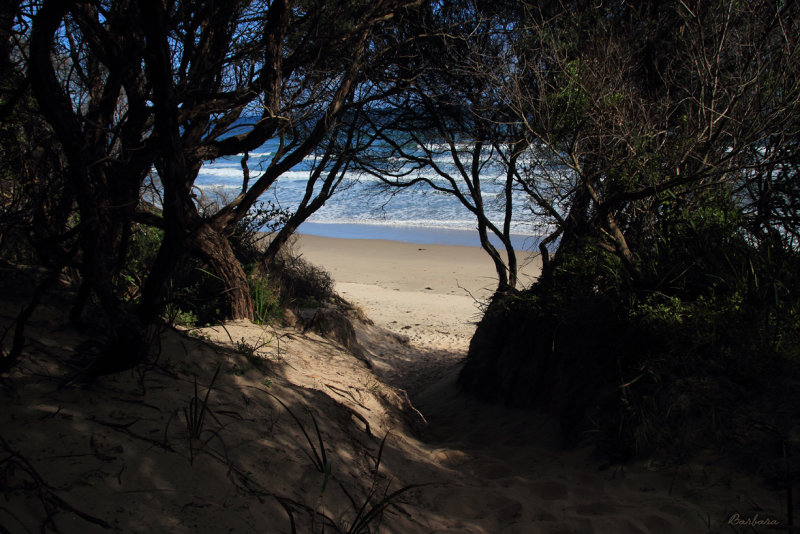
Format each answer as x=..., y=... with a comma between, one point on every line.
x=119, y=450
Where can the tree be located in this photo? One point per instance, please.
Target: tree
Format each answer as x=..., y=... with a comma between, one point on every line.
x=128, y=86
x=35, y=200
x=449, y=130
x=102, y=135
x=662, y=144
x=637, y=112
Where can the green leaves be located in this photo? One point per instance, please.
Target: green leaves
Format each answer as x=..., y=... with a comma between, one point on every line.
x=266, y=304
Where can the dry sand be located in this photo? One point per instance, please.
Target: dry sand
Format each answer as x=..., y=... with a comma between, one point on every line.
x=118, y=449
x=434, y=294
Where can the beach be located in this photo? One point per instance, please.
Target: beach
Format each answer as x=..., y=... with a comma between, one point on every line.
x=432, y=293
x=399, y=267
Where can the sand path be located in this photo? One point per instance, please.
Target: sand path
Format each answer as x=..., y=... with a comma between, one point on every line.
x=507, y=471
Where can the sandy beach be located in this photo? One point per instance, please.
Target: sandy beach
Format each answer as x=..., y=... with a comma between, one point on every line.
x=433, y=294
x=303, y=435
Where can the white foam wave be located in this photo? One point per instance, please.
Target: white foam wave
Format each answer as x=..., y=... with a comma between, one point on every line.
x=429, y=223
x=268, y=154
x=235, y=173
x=222, y=172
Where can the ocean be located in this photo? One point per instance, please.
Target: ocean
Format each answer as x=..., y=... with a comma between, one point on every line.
x=362, y=209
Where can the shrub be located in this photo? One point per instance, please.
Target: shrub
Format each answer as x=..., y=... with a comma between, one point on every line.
x=261, y=219
x=195, y=296
x=177, y=316
x=300, y=283
x=702, y=352
x=197, y=292
x=142, y=250
x=266, y=304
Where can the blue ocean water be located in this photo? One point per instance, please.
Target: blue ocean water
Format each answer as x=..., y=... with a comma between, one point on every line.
x=361, y=208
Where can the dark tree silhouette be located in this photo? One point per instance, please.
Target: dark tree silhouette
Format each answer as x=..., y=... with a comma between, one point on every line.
x=662, y=147
x=131, y=86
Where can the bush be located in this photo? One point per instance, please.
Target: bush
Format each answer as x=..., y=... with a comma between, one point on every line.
x=299, y=282
x=266, y=304
x=196, y=296
x=247, y=237
x=702, y=352
x=142, y=250
x=197, y=293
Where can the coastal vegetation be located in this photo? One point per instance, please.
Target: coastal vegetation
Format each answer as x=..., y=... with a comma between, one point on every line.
x=654, y=143
x=137, y=95
x=666, y=163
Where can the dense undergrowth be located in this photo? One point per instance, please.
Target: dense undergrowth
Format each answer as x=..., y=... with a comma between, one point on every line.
x=703, y=352
x=196, y=296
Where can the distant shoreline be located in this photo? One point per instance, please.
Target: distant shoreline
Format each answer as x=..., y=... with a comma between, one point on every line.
x=419, y=235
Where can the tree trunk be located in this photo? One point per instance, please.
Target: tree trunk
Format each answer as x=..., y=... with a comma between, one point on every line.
x=500, y=266
x=215, y=248
x=623, y=250
x=513, y=268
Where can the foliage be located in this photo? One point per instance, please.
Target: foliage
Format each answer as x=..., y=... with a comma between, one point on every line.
x=99, y=99
x=144, y=244
x=657, y=141
x=251, y=350
x=266, y=304
x=663, y=157
x=35, y=200
x=177, y=316
x=300, y=283
x=248, y=236
x=699, y=353
x=196, y=296
x=194, y=414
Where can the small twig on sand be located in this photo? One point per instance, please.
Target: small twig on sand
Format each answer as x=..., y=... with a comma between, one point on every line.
x=125, y=429
x=409, y=406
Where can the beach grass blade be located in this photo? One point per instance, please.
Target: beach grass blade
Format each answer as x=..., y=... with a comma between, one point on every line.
x=318, y=457
x=195, y=413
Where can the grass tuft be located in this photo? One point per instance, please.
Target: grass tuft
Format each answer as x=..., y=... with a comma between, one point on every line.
x=318, y=457
x=195, y=413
